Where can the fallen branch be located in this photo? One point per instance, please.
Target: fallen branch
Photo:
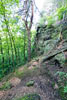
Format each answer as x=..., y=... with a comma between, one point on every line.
x=54, y=53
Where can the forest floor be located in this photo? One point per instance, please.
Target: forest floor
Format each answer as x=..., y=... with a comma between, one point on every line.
x=45, y=83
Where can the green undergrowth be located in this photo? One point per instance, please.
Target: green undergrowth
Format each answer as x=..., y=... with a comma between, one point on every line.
x=30, y=97
x=62, y=93
x=5, y=86
x=26, y=72
x=62, y=82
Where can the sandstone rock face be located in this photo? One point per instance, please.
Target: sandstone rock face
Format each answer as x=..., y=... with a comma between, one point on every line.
x=44, y=39
x=48, y=39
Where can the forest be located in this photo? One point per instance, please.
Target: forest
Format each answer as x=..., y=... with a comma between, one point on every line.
x=33, y=50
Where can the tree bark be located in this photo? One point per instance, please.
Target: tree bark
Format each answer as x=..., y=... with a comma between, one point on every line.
x=28, y=20
x=29, y=45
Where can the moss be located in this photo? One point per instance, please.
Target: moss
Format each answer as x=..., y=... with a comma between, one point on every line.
x=30, y=83
x=30, y=97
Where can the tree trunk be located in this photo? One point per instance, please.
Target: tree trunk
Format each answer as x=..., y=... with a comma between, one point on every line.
x=7, y=27
x=24, y=50
x=8, y=48
x=15, y=49
x=2, y=54
x=18, y=55
x=29, y=45
x=11, y=46
x=24, y=47
x=12, y=52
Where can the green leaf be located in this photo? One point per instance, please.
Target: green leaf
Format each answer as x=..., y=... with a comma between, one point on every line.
x=65, y=89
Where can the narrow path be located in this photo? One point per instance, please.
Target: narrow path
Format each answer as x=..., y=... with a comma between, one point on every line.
x=43, y=87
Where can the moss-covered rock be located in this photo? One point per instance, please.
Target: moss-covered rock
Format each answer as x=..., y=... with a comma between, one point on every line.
x=30, y=83
x=44, y=34
x=30, y=97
